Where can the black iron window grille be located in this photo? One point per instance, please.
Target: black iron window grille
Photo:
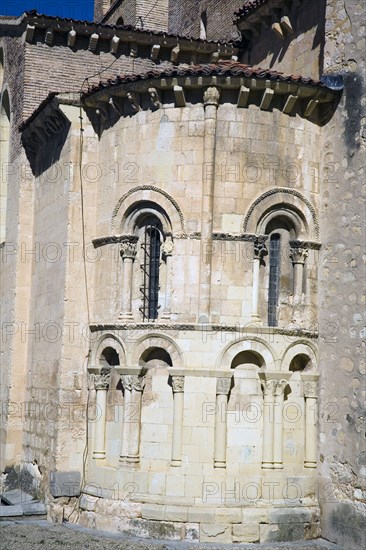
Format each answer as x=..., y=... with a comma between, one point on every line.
x=274, y=278
x=150, y=273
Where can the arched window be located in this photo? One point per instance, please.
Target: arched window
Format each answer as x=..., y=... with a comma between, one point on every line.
x=274, y=278
x=151, y=238
x=280, y=231
x=120, y=22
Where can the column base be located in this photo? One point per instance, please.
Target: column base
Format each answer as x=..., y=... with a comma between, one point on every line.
x=176, y=462
x=267, y=465
x=309, y=464
x=133, y=459
x=255, y=318
x=219, y=464
x=278, y=466
x=99, y=454
x=165, y=315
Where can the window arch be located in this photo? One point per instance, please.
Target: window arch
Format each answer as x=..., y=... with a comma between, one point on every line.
x=146, y=250
x=150, y=237
x=120, y=22
x=280, y=231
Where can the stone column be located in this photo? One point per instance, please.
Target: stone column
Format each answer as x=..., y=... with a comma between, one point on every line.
x=128, y=413
x=167, y=251
x=311, y=417
x=138, y=384
x=222, y=391
x=278, y=424
x=269, y=386
x=260, y=250
x=298, y=254
x=128, y=254
x=101, y=382
x=178, y=408
x=211, y=103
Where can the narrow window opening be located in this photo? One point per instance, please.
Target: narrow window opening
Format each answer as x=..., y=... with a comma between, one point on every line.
x=120, y=22
x=203, y=26
x=150, y=271
x=274, y=278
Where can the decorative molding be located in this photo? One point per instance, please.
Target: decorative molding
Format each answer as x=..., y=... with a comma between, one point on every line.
x=251, y=328
x=310, y=389
x=211, y=96
x=298, y=254
x=129, y=249
x=148, y=188
x=260, y=249
x=168, y=246
x=287, y=191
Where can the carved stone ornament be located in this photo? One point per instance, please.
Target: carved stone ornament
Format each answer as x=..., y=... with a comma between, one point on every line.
x=138, y=383
x=223, y=385
x=127, y=381
x=178, y=384
x=269, y=387
x=299, y=254
x=167, y=247
x=260, y=249
x=129, y=249
x=211, y=96
x=155, y=99
x=280, y=387
x=310, y=389
x=102, y=380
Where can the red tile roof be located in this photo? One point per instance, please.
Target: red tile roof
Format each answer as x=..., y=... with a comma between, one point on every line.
x=224, y=68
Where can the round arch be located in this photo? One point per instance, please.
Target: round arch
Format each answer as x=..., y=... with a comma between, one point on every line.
x=108, y=341
x=152, y=341
x=253, y=345
x=299, y=348
x=150, y=195
x=287, y=203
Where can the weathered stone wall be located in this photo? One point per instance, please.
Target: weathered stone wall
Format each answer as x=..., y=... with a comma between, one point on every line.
x=342, y=275
x=300, y=52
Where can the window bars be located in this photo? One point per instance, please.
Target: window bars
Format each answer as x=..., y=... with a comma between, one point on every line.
x=150, y=271
x=274, y=279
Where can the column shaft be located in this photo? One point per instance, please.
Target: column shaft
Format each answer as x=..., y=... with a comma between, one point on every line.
x=100, y=425
x=310, y=432
x=178, y=409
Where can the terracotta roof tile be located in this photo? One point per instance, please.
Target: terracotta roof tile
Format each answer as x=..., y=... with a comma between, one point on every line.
x=224, y=68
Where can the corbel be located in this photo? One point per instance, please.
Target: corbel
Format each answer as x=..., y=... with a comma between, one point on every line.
x=290, y=104
x=134, y=49
x=29, y=33
x=180, y=99
x=115, y=40
x=49, y=37
x=71, y=38
x=103, y=109
x=117, y=104
x=174, y=54
x=155, y=52
x=243, y=96
x=155, y=97
x=267, y=98
x=93, y=42
x=286, y=24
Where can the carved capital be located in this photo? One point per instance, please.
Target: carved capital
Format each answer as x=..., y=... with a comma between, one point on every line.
x=280, y=387
x=269, y=387
x=127, y=381
x=260, y=249
x=223, y=386
x=211, y=96
x=102, y=380
x=129, y=247
x=138, y=383
x=298, y=253
x=168, y=246
x=310, y=389
x=178, y=384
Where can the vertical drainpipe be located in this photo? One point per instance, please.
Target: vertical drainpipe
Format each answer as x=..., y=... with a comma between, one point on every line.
x=211, y=103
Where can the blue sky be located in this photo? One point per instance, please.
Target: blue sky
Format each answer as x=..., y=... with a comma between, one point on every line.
x=77, y=9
